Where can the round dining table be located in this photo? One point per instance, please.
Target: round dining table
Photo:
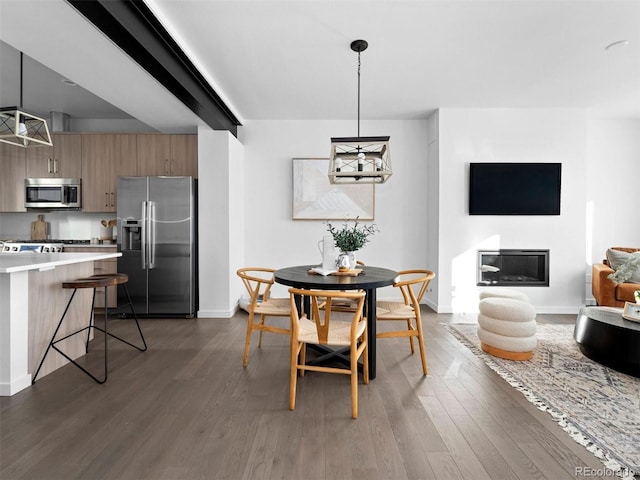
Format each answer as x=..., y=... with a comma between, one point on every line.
x=370, y=279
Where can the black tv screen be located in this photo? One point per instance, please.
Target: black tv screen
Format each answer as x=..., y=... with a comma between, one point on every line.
x=514, y=188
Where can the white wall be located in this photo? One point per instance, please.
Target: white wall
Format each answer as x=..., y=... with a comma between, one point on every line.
x=220, y=226
x=433, y=207
x=274, y=239
x=613, y=193
x=504, y=135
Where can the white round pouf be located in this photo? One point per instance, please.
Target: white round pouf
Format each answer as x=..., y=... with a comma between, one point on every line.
x=514, y=345
x=503, y=293
x=507, y=309
x=507, y=328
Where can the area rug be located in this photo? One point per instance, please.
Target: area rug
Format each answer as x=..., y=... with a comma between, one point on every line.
x=599, y=407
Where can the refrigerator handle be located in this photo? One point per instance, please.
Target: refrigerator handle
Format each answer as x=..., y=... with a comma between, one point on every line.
x=143, y=239
x=152, y=235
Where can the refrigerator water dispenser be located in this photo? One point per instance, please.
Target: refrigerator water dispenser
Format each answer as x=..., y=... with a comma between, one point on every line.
x=131, y=234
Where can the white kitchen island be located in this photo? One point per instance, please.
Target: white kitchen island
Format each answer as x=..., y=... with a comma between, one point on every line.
x=32, y=301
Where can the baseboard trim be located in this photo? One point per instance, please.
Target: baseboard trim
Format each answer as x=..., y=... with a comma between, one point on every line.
x=218, y=313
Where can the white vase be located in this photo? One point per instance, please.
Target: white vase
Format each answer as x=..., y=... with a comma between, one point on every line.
x=346, y=260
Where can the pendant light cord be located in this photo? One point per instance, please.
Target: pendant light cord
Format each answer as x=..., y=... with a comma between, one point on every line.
x=358, y=94
x=21, y=60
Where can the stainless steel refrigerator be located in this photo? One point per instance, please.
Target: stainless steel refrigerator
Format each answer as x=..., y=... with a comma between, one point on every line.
x=157, y=234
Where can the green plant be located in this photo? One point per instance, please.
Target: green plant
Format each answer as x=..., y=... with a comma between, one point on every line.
x=350, y=239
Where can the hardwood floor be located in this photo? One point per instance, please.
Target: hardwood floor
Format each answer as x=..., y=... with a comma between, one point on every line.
x=187, y=409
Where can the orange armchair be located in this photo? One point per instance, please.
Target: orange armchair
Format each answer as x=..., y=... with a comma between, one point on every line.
x=605, y=291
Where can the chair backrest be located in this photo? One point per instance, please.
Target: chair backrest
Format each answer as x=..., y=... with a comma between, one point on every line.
x=321, y=302
x=413, y=284
x=258, y=282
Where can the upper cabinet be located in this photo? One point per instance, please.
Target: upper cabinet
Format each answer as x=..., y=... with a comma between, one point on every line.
x=12, y=163
x=153, y=154
x=184, y=155
x=99, y=159
x=63, y=160
x=104, y=158
x=170, y=155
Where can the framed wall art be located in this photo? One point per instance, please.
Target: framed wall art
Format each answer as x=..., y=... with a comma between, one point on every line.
x=314, y=198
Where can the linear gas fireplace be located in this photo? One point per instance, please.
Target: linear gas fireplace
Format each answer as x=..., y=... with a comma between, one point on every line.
x=523, y=268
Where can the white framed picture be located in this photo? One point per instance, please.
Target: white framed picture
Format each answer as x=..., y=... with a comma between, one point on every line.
x=314, y=198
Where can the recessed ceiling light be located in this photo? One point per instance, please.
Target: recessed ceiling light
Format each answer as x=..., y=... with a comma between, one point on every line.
x=619, y=43
x=66, y=81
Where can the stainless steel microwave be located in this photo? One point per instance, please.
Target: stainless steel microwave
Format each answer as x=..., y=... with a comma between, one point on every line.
x=53, y=193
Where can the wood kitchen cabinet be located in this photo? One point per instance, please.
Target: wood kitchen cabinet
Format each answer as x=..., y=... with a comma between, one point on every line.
x=62, y=160
x=184, y=155
x=12, y=164
x=170, y=155
x=104, y=158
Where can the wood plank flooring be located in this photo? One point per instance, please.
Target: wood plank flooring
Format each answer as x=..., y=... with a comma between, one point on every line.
x=186, y=409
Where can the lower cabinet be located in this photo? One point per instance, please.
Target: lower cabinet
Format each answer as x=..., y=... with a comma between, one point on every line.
x=100, y=267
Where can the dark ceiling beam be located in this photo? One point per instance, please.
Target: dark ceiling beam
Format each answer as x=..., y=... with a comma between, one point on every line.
x=131, y=25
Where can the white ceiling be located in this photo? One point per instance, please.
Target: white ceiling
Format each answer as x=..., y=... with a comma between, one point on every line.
x=291, y=59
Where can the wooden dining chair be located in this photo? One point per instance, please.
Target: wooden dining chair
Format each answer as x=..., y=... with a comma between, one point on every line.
x=347, y=304
x=258, y=282
x=413, y=285
x=322, y=329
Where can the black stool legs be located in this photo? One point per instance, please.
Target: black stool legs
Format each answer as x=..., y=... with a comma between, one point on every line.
x=135, y=317
x=98, y=281
x=76, y=284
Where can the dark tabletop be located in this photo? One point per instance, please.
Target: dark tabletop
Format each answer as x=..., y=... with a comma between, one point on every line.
x=371, y=277
x=609, y=315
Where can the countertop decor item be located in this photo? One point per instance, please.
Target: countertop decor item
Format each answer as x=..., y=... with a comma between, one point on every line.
x=359, y=160
x=39, y=229
x=106, y=230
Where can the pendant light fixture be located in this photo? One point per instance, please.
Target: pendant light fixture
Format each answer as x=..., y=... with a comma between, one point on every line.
x=20, y=128
x=359, y=159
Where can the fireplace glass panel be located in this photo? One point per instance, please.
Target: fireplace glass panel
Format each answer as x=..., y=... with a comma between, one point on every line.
x=513, y=268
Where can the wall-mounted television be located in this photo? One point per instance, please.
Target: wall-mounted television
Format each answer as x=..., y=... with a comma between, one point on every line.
x=514, y=188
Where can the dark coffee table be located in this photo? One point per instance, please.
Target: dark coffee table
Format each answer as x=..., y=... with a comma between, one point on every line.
x=607, y=338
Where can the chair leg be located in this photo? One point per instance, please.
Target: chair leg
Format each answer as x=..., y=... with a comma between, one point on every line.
x=261, y=331
x=410, y=327
x=303, y=357
x=423, y=356
x=354, y=381
x=293, y=375
x=247, y=342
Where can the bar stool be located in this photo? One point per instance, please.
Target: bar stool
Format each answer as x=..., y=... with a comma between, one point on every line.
x=98, y=281
x=122, y=279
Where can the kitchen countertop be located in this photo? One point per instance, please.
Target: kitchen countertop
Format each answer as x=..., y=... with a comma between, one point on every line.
x=20, y=262
x=92, y=245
